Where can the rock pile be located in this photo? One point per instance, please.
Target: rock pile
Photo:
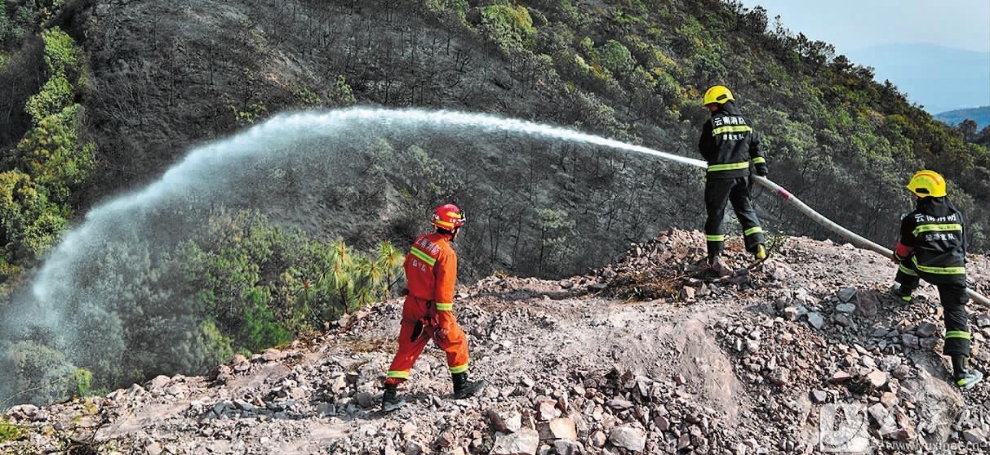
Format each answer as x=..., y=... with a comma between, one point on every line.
x=650, y=355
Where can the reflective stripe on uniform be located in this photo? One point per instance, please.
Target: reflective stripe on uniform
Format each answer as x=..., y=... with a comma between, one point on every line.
x=422, y=256
x=731, y=129
x=958, y=334
x=938, y=270
x=459, y=369
x=759, y=160
x=937, y=228
x=753, y=230
x=398, y=374
x=728, y=167
x=715, y=238
x=906, y=270
x=445, y=306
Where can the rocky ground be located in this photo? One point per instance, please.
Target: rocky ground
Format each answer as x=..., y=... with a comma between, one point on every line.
x=801, y=354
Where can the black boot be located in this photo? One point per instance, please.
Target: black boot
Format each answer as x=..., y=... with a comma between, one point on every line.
x=964, y=377
x=716, y=265
x=902, y=293
x=464, y=388
x=391, y=396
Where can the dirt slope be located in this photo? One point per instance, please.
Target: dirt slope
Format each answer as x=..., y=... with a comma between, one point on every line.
x=753, y=363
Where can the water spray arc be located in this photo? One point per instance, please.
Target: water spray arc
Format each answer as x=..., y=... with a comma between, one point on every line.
x=246, y=170
x=805, y=210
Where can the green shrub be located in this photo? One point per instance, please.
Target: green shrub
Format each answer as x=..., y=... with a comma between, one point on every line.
x=510, y=27
x=340, y=94
x=250, y=114
x=43, y=373
x=54, y=96
x=457, y=7
x=10, y=432
x=83, y=381
x=61, y=55
x=616, y=58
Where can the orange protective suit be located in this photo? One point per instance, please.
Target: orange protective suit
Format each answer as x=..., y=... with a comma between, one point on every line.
x=431, y=272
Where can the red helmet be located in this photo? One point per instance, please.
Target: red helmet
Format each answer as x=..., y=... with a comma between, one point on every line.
x=448, y=217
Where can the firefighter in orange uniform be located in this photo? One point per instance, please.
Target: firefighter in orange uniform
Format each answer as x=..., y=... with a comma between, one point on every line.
x=431, y=272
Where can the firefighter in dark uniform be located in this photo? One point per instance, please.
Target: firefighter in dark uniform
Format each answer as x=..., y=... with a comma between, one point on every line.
x=730, y=146
x=932, y=246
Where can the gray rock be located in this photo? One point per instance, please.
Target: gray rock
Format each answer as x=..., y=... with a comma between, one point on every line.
x=153, y=448
x=364, y=399
x=563, y=428
x=844, y=320
x=816, y=320
x=619, y=404
x=974, y=436
x=598, y=439
x=565, y=447
x=546, y=410
x=509, y=421
x=522, y=442
x=910, y=341
x=159, y=383
x=867, y=305
x=628, y=437
x=846, y=294
x=926, y=329
x=845, y=308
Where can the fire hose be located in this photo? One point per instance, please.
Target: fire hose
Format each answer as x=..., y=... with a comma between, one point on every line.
x=852, y=237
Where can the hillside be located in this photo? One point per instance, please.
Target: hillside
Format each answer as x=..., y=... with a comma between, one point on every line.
x=648, y=355
x=980, y=115
x=181, y=181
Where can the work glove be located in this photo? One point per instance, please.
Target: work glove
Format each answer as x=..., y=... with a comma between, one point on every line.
x=441, y=334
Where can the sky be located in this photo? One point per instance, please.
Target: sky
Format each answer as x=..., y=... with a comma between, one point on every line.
x=855, y=24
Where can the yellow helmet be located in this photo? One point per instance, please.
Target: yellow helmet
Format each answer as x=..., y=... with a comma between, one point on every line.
x=718, y=94
x=927, y=183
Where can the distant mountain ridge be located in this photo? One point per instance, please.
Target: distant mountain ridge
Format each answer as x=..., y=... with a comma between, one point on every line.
x=980, y=115
x=938, y=78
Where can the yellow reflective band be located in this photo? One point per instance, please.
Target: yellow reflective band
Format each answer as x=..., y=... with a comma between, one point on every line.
x=422, y=256
x=715, y=238
x=398, y=374
x=759, y=160
x=443, y=223
x=937, y=228
x=938, y=270
x=731, y=129
x=956, y=334
x=753, y=230
x=906, y=270
x=459, y=369
x=728, y=167
x=445, y=306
